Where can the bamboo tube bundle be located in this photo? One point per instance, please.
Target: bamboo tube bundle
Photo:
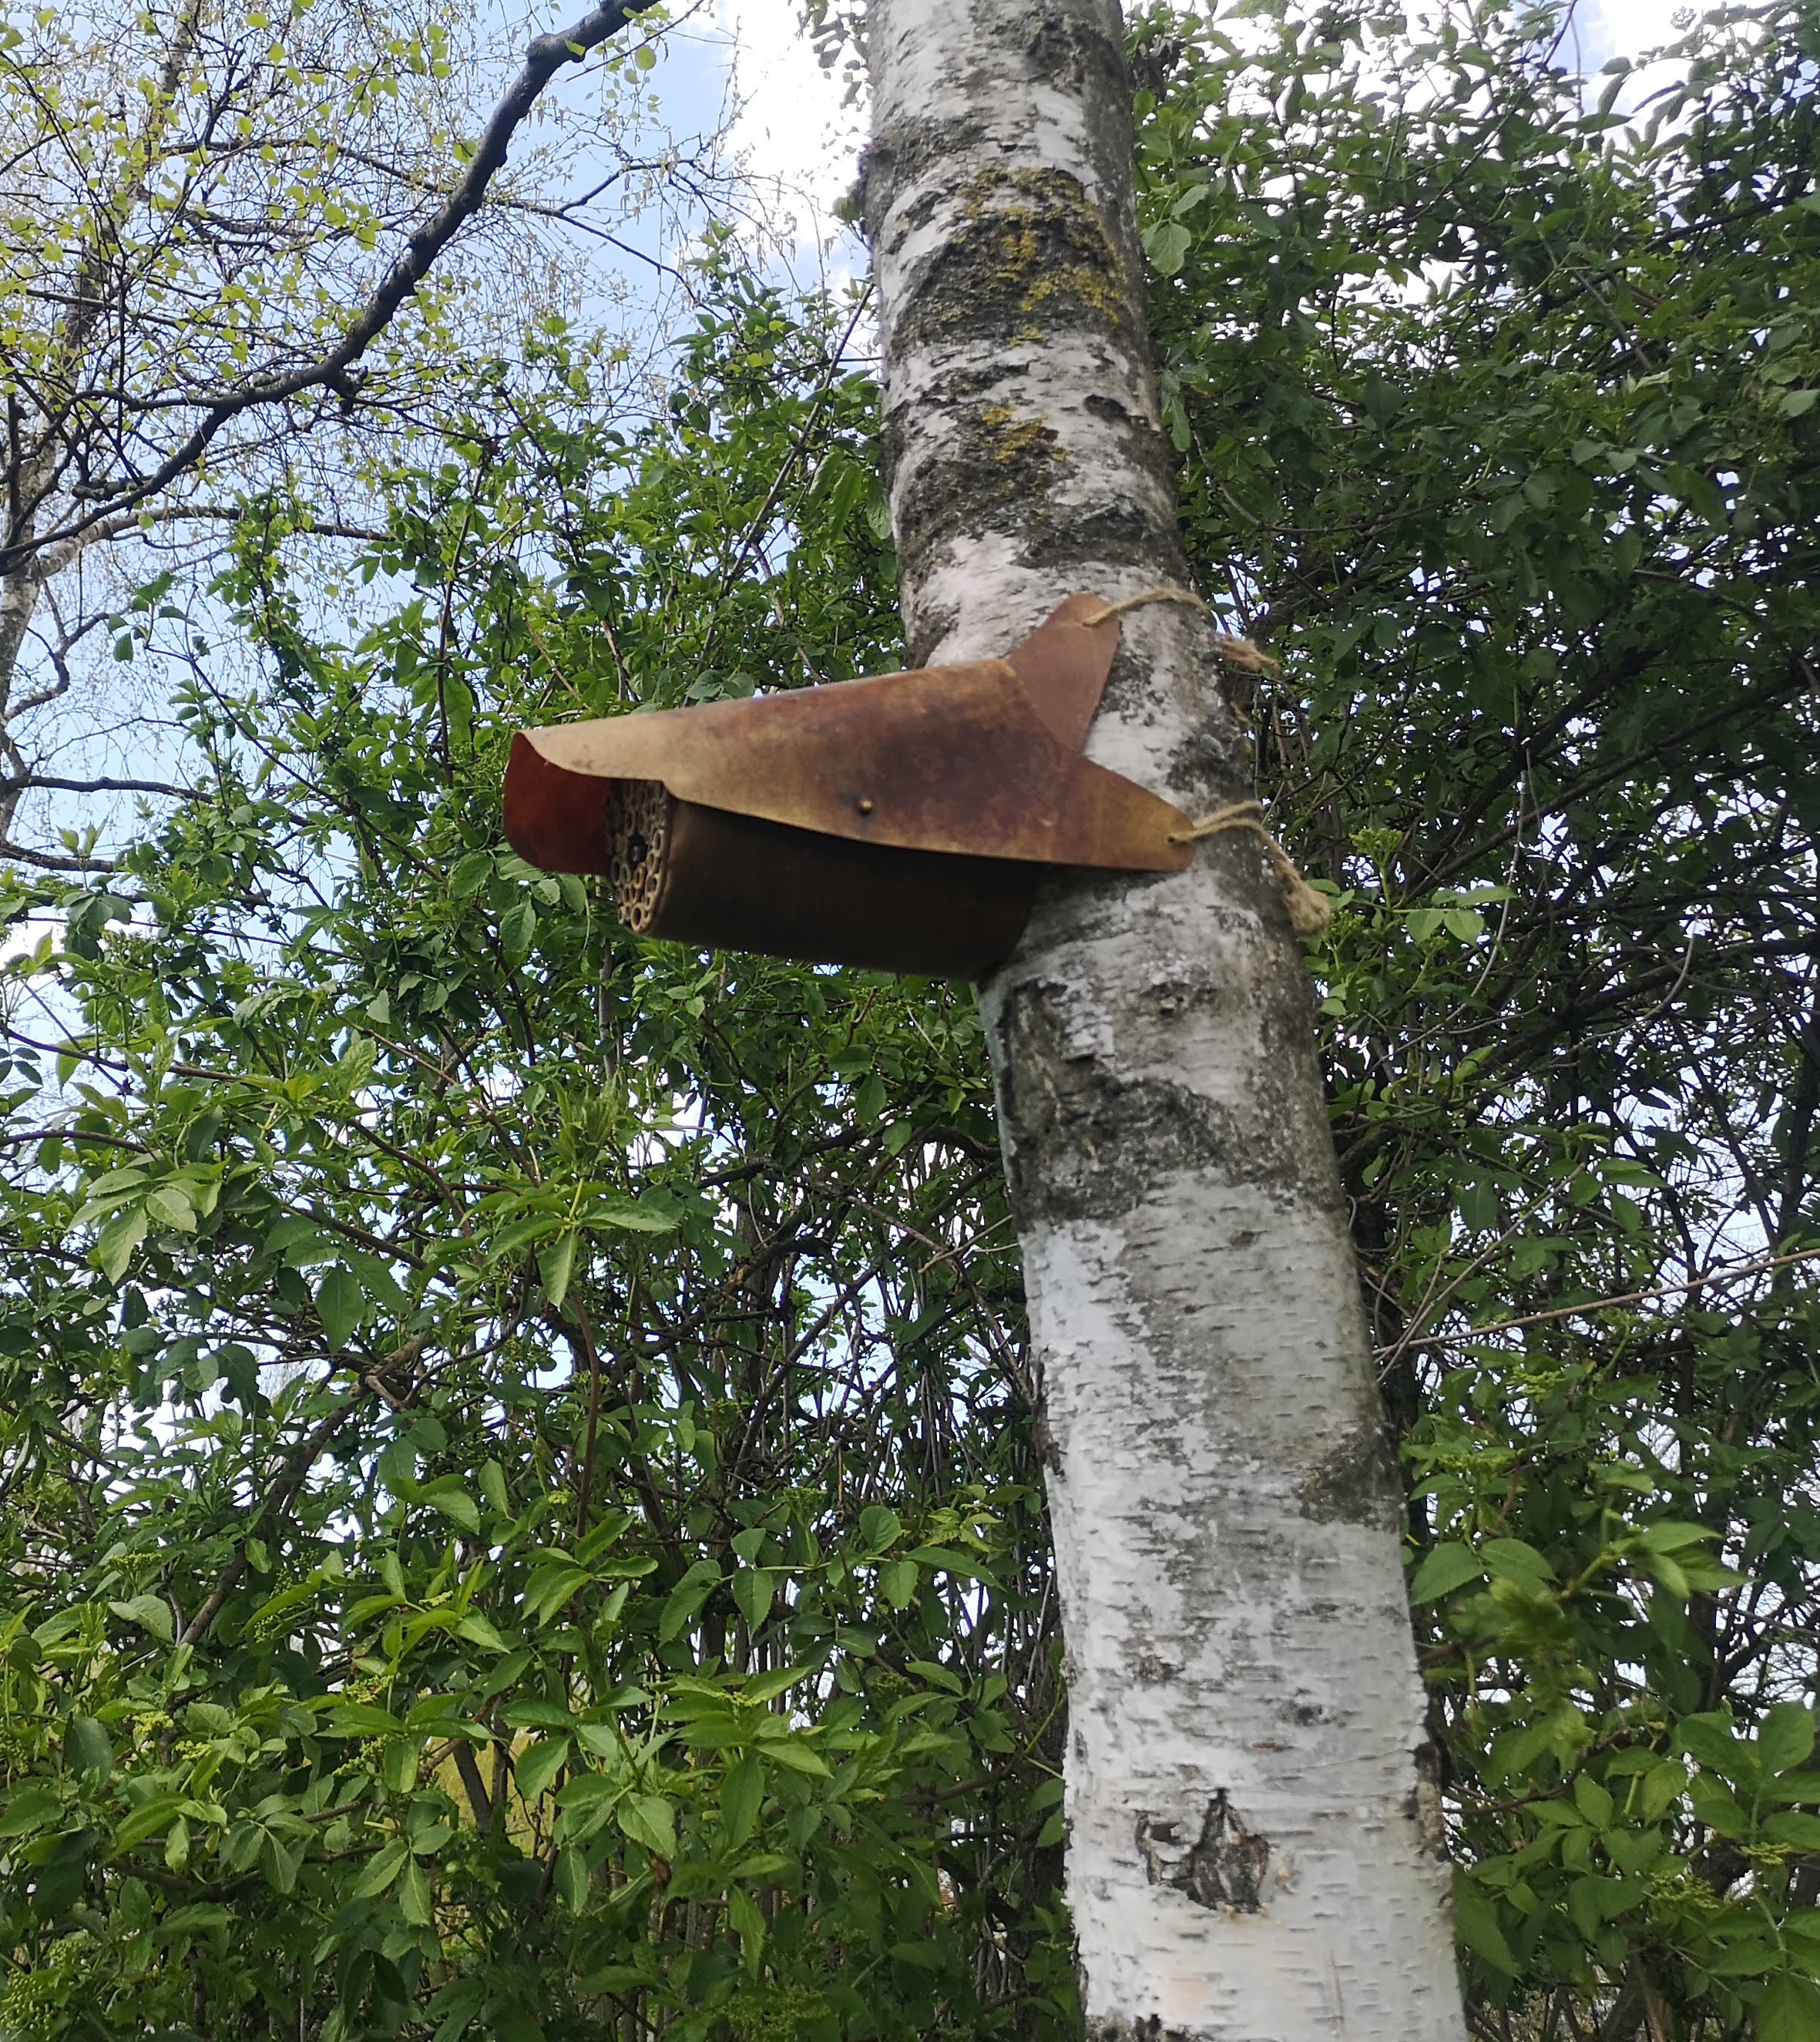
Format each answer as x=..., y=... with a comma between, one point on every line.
x=638, y=815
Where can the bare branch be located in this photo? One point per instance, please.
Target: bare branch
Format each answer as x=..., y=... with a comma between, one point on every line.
x=29, y=782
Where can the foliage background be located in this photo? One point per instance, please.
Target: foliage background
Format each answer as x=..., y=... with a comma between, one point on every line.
x=521, y=1518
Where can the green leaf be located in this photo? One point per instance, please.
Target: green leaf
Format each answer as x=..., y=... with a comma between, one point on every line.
x=517, y=925
x=1476, y=1924
x=748, y=1923
x=413, y=1899
x=30, y=1808
x=478, y=1629
x=469, y=873
x=897, y=1582
x=551, y=1587
x=1663, y=1784
x=383, y=1868
x=572, y=1879
x=1666, y=1535
x=534, y=1713
x=555, y=1265
x=1166, y=245
x=1516, y=1560
x=767, y=1687
x=340, y=1305
x=753, y=1588
x=168, y=1206
x=398, y=1763
x=878, y=1528
x=1786, y=1738
x=631, y=1216
x=1710, y=1738
x=940, y=1677
x=114, y=1245
x=493, y=1488
x=797, y=1757
x=1448, y=1566
x=1715, y=1804
x=649, y=1819
x=455, y=2006
x=1789, y=2011
x=684, y=1602
x=362, y=1720
x=279, y=1862
x=742, y=1794
x=150, y=1612
x=196, y=1919
x=445, y=1493
x=1593, y=1801
x=86, y=1748
x=538, y=1763
x=151, y=1818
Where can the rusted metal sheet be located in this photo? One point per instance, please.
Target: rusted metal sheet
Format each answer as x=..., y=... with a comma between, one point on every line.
x=902, y=822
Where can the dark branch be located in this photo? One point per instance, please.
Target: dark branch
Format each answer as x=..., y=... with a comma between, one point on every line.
x=28, y=782
x=51, y=861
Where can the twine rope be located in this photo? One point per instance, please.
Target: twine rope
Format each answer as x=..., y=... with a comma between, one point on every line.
x=1310, y=912
x=1240, y=651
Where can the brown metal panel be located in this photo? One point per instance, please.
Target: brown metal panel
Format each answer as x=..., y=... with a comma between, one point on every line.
x=554, y=819
x=1063, y=664
x=980, y=760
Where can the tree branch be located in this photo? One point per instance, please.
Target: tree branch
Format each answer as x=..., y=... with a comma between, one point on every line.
x=297, y=1464
x=28, y=783
x=51, y=861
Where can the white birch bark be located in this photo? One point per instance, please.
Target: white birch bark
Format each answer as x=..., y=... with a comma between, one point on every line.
x=1254, y=1848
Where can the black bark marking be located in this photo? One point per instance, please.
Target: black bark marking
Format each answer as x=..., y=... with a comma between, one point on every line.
x=1423, y=1804
x=1089, y=1141
x=1224, y=1866
x=1147, y=2028
x=1355, y=1482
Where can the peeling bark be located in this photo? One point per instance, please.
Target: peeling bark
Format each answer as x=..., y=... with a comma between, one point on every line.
x=1254, y=1846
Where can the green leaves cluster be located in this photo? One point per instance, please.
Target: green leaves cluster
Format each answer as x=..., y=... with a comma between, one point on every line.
x=523, y=1516
x=1490, y=401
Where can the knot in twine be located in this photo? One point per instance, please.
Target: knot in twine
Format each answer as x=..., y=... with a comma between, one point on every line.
x=1310, y=912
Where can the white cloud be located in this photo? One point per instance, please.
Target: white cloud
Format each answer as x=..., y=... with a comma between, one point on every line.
x=796, y=136
x=1625, y=28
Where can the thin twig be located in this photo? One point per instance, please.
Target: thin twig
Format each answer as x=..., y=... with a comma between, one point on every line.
x=1626, y=1298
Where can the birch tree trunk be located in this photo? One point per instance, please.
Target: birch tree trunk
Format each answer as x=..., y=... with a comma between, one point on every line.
x=1254, y=1844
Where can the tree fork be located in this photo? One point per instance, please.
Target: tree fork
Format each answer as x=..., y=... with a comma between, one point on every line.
x=1254, y=1848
